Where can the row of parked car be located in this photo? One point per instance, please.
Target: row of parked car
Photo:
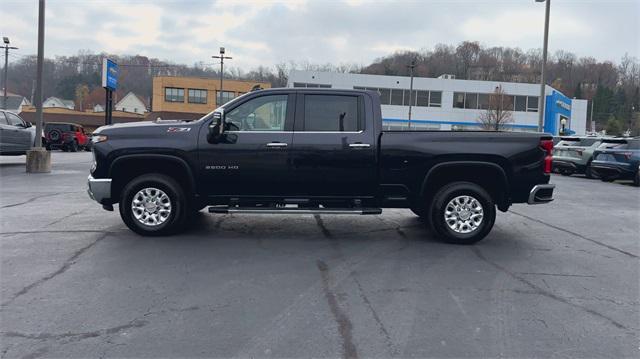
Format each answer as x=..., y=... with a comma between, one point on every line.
x=606, y=158
x=17, y=135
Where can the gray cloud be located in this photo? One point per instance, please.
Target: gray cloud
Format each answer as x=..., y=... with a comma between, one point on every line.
x=319, y=31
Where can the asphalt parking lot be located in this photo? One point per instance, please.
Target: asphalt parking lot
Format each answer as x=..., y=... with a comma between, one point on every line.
x=560, y=280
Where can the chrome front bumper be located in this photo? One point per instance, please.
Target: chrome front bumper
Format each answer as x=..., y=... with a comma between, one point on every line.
x=542, y=193
x=99, y=189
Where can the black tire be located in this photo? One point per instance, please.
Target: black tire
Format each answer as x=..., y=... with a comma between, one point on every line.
x=447, y=194
x=636, y=179
x=73, y=147
x=47, y=147
x=565, y=173
x=587, y=171
x=176, y=219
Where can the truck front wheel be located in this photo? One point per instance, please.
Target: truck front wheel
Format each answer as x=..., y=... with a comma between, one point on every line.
x=462, y=213
x=153, y=205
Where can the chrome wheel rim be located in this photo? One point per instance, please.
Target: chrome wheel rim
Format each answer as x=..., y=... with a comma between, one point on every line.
x=151, y=206
x=463, y=214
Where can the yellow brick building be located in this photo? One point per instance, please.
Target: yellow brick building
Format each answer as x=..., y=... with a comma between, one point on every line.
x=191, y=97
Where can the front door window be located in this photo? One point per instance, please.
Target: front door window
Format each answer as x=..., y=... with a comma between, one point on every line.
x=265, y=113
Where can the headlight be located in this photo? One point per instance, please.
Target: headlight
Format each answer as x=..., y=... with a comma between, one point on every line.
x=98, y=138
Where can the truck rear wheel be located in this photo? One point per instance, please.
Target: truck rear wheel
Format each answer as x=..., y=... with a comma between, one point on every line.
x=153, y=205
x=462, y=213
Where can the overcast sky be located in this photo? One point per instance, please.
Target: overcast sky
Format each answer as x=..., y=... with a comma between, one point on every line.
x=350, y=31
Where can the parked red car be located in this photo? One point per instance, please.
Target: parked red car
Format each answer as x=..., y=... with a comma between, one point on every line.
x=66, y=136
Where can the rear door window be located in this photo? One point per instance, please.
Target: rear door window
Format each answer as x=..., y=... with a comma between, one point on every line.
x=332, y=113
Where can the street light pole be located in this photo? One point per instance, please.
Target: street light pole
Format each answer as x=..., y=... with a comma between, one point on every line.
x=541, y=99
x=6, y=67
x=39, y=70
x=221, y=57
x=411, y=67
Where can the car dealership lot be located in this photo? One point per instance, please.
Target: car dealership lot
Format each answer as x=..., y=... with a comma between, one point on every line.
x=556, y=280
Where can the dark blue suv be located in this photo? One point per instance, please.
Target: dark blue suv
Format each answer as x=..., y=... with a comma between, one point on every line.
x=618, y=159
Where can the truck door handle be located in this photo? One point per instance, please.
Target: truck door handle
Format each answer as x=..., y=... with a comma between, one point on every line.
x=276, y=144
x=359, y=145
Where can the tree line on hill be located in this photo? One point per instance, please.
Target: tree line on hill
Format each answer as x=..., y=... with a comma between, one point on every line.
x=614, y=88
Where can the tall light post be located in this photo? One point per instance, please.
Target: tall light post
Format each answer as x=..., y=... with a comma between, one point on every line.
x=411, y=67
x=6, y=67
x=38, y=158
x=221, y=57
x=541, y=99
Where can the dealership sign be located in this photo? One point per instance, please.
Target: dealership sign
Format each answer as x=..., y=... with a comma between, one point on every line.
x=563, y=105
x=109, y=74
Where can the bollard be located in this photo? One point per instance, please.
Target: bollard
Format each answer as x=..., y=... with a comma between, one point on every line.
x=38, y=160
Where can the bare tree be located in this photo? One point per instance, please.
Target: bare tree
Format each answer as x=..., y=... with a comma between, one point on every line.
x=498, y=113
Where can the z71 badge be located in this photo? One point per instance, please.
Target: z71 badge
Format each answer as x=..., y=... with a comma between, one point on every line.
x=178, y=129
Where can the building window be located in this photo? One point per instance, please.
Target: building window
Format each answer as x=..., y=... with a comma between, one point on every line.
x=507, y=102
x=197, y=96
x=483, y=101
x=324, y=86
x=471, y=101
x=435, y=98
x=521, y=103
x=408, y=93
x=173, y=94
x=396, y=97
x=422, y=98
x=385, y=96
x=224, y=98
x=458, y=99
x=532, y=103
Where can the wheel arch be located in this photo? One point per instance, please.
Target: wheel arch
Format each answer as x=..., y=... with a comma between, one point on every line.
x=489, y=175
x=126, y=167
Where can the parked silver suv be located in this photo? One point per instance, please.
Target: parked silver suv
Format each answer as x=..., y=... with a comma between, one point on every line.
x=16, y=135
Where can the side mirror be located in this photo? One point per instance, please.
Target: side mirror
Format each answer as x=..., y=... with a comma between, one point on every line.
x=28, y=124
x=216, y=127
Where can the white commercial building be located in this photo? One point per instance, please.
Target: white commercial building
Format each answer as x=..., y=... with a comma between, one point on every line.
x=445, y=103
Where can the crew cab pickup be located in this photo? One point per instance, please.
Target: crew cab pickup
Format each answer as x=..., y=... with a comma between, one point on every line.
x=296, y=150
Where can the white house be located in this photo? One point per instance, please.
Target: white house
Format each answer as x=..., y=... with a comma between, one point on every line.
x=14, y=102
x=58, y=102
x=131, y=103
x=445, y=103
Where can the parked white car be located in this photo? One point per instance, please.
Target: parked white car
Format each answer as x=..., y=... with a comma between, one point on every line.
x=16, y=135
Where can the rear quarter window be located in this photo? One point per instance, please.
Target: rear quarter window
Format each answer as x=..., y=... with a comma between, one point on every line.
x=612, y=145
x=568, y=143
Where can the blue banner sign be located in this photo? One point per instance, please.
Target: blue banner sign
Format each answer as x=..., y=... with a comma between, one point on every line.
x=109, y=74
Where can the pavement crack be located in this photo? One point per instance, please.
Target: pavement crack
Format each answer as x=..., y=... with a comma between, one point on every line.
x=345, y=327
x=559, y=274
x=31, y=200
x=65, y=217
x=323, y=228
x=541, y=291
x=136, y=323
x=376, y=317
x=65, y=266
x=577, y=235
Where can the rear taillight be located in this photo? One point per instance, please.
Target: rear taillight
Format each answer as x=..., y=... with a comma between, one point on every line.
x=547, y=145
x=579, y=152
x=627, y=155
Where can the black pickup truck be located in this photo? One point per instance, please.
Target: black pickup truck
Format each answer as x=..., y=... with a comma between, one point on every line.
x=314, y=151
